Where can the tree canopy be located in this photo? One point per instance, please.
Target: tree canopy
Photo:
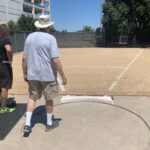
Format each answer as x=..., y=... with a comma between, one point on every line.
x=127, y=17
x=25, y=23
x=86, y=29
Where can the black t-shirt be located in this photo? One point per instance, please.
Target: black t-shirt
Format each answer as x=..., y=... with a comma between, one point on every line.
x=3, y=52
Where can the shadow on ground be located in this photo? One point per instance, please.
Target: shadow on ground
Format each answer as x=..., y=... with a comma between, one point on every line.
x=39, y=116
x=9, y=120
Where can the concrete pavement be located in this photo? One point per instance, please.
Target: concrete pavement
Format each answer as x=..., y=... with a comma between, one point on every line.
x=82, y=126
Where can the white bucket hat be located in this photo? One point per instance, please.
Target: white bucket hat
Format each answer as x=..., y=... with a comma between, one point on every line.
x=43, y=22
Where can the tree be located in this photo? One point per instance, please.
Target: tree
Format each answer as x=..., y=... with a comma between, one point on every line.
x=129, y=17
x=26, y=23
x=52, y=29
x=12, y=25
x=86, y=29
x=64, y=31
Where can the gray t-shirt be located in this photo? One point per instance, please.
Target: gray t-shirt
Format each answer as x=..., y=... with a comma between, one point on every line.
x=39, y=49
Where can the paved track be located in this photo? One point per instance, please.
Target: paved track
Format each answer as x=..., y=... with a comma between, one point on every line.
x=83, y=126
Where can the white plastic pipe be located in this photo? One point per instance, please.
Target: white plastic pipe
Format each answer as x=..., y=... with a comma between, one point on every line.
x=104, y=99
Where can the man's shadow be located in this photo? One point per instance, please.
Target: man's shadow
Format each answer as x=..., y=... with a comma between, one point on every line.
x=39, y=116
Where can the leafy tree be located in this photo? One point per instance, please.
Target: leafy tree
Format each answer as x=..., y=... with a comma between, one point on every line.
x=64, y=31
x=26, y=23
x=52, y=29
x=86, y=29
x=127, y=17
x=12, y=25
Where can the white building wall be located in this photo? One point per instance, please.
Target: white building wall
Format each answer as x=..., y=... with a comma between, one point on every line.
x=12, y=9
x=3, y=13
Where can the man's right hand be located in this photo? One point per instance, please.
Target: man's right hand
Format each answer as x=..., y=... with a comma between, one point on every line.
x=64, y=80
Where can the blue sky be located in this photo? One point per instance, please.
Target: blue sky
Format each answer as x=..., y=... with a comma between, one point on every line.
x=72, y=15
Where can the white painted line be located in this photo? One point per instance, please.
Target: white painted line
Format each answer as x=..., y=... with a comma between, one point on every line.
x=92, y=67
x=104, y=99
x=124, y=71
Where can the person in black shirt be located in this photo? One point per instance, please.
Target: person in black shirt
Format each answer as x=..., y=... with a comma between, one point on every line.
x=6, y=76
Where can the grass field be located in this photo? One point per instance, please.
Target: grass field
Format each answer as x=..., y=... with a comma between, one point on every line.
x=98, y=71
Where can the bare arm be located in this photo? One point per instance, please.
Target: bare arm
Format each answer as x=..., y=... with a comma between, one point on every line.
x=58, y=65
x=24, y=67
x=9, y=50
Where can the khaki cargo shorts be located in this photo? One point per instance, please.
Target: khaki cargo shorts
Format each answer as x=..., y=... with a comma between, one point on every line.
x=48, y=89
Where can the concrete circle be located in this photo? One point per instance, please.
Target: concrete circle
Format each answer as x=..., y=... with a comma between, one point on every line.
x=91, y=126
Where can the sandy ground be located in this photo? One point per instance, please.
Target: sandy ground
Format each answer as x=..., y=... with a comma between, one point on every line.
x=98, y=71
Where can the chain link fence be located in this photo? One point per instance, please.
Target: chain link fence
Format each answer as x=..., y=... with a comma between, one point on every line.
x=18, y=39
x=76, y=39
x=64, y=39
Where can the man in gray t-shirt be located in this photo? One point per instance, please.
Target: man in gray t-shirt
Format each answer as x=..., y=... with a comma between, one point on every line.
x=40, y=66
